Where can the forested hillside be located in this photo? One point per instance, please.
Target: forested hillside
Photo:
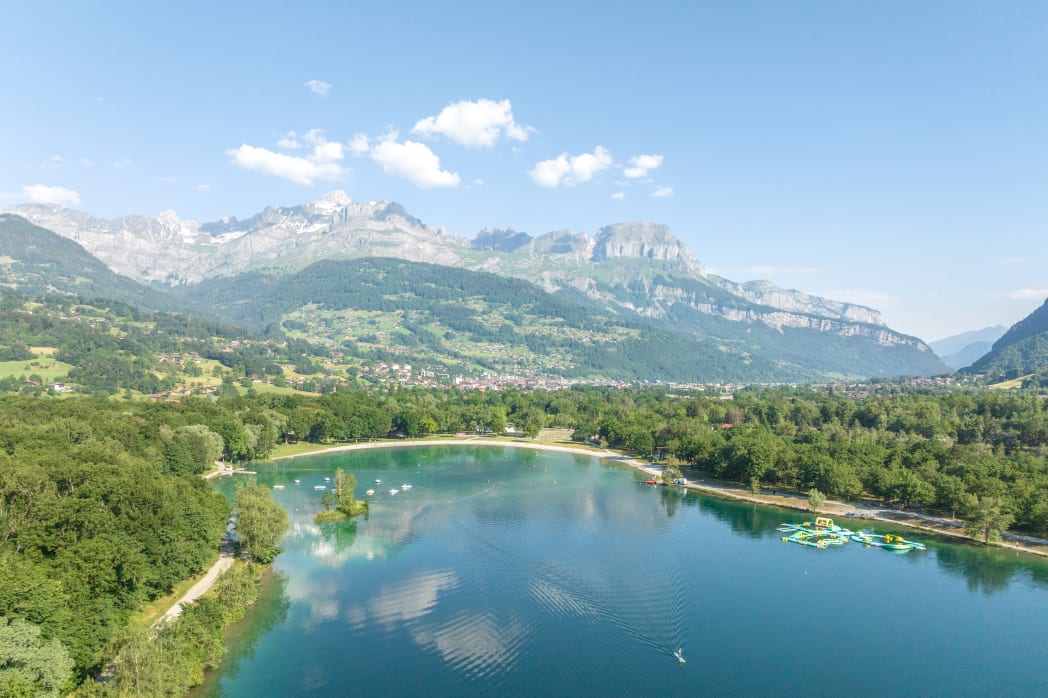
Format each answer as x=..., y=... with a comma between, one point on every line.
x=1022, y=350
x=96, y=514
x=450, y=317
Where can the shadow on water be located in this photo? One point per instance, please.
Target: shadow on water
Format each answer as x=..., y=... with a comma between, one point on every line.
x=751, y=520
x=989, y=570
x=242, y=637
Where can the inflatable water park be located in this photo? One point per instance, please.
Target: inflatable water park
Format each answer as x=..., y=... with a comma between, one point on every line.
x=822, y=533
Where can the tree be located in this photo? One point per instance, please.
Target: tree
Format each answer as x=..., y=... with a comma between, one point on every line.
x=815, y=499
x=987, y=518
x=261, y=522
x=30, y=665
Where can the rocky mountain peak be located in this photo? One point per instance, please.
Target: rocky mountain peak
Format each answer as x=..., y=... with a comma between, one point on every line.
x=332, y=201
x=500, y=240
x=642, y=240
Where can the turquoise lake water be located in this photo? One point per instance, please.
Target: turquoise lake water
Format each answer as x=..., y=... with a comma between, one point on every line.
x=512, y=572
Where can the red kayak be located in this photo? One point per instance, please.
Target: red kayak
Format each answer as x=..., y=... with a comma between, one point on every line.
x=651, y=481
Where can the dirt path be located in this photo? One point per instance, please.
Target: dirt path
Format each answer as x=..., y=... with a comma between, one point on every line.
x=223, y=563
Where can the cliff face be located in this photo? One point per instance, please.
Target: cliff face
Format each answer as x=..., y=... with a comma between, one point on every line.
x=643, y=241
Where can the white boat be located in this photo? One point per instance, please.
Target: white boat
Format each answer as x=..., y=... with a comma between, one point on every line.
x=327, y=479
x=278, y=487
x=405, y=487
x=394, y=491
x=297, y=482
x=370, y=492
x=378, y=482
x=319, y=487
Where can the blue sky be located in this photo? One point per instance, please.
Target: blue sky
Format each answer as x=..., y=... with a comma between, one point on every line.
x=891, y=154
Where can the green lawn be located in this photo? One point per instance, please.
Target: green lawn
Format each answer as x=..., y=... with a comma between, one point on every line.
x=48, y=369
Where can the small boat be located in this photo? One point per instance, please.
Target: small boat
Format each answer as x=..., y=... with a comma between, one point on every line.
x=370, y=492
x=297, y=482
x=651, y=481
x=319, y=487
x=378, y=482
x=405, y=487
x=278, y=487
x=394, y=491
x=327, y=479
x=679, y=654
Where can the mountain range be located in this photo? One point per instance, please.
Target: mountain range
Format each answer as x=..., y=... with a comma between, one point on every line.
x=637, y=278
x=964, y=349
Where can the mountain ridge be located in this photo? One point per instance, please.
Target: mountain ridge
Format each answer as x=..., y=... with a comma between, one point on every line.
x=632, y=268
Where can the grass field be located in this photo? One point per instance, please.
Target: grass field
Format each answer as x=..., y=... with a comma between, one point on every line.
x=48, y=369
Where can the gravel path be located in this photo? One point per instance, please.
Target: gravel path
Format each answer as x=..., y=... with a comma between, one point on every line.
x=223, y=563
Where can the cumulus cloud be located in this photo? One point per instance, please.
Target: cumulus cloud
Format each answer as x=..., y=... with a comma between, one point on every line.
x=476, y=124
x=1025, y=294
x=318, y=87
x=359, y=144
x=203, y=187
x=290, y=141
x=662, y=191
x=571, y=170
x=619, y=195
x=640, y=165
x=414, y=162
x=43, y=194
x=322, y=163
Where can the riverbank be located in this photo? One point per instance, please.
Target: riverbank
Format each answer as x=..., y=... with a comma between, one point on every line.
x=923, y=522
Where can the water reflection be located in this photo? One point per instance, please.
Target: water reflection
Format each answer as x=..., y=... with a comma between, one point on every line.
x=988, y=570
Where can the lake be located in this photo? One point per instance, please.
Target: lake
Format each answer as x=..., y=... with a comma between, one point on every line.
x=514, y=572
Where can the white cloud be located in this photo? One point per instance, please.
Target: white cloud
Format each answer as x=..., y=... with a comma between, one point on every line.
x=166, y=180
x=122, y=163
x=619, y=195
x=414, y=162
x=321, y=164
x=86, y=163
x=319, y=87
x=662, y=191
x=359, y=144
x=478, y=182
x=474, y=124
x=289, y=141
x=203, y=187
x=55, y=162
x=43, y=194
x=641, y=165
x=570, y=171
x=1024, y=294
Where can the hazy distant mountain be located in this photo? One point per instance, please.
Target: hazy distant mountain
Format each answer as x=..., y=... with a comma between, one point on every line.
x=1021, y=350
x=964, y=349
x=36, y=261
x=631, y=269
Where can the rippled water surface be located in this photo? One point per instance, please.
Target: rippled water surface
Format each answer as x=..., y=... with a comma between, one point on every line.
x=511, y=572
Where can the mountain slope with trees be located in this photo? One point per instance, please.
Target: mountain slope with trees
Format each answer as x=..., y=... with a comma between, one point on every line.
x=1022, y=350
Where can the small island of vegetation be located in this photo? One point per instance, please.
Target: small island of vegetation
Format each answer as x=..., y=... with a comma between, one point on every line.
x=340, y=501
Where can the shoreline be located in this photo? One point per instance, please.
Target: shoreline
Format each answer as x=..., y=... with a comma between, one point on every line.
x=939, y=527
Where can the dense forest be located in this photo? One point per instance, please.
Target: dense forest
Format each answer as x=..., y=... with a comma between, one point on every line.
x=957, y=453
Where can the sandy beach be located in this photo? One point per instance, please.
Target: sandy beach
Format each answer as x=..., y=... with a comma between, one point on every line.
x=934, y=525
